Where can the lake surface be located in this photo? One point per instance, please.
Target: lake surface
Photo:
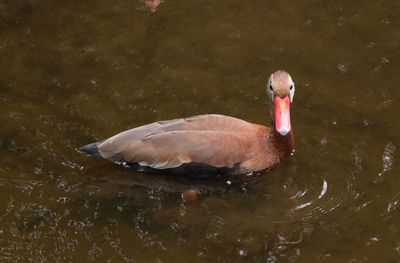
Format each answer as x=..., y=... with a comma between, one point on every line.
x=73, y=72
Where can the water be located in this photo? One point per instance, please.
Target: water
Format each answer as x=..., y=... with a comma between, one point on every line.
x=76, y=72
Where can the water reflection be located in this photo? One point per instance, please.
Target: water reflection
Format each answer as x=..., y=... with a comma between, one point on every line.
x=164, y=182
x=285, y=198
x=387, y=158
x=150, y=5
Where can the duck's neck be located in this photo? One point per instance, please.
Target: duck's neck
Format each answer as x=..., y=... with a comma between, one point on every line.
x=284, y=144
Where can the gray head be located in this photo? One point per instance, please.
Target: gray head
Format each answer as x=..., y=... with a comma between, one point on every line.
x=280, y=84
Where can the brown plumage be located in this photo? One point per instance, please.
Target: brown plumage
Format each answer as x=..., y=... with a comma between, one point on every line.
x=206, y=143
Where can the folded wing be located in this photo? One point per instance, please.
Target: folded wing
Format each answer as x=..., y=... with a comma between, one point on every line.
x=215, y=140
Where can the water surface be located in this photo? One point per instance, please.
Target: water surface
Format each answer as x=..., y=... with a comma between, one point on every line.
x=73, y=72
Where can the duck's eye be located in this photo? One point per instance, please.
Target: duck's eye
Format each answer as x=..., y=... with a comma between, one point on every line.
x=291, y=87
x=271, y=88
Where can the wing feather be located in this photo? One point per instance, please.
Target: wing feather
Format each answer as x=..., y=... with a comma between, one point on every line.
x=131, y=140
x=172, y=149
x=215, y=140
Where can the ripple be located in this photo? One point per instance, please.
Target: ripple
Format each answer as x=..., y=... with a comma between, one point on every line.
x=387, y=158
x=343, y=68
x=306, y=200
x=312, y=206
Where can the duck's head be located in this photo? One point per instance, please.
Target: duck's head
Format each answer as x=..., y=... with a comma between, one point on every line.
x=280, y=89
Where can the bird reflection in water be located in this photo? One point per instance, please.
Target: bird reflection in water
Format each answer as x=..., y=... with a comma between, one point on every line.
x=189, y=187
x=150, y=5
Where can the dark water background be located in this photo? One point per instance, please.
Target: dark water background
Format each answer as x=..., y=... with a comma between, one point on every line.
x=72, y=72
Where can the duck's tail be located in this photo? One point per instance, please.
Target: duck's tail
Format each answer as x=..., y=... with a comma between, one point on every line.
x=91, y=149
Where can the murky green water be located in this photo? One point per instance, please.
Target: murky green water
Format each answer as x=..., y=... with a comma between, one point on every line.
x=72, y=72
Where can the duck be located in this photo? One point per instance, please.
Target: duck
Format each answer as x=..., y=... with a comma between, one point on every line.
x=209, y=144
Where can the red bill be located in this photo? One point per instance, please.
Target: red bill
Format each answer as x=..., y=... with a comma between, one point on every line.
x=282, y=115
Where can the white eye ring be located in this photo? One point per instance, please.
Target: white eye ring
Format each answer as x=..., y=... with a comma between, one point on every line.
x=291, y=90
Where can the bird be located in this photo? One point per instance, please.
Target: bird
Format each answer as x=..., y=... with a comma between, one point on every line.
x=209, y=144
